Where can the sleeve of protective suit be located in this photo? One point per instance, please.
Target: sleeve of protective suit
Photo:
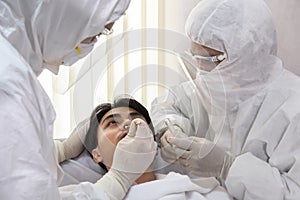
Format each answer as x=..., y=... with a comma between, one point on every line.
x=176, y=106
x=73, y=145
x=277, y=178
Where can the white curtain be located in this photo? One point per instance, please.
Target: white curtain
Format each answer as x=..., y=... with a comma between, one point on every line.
x=120, y=64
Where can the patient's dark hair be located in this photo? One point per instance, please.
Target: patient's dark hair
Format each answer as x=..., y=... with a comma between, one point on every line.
x=91, y=140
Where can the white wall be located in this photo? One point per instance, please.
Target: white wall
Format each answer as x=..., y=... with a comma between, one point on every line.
x=286, y=14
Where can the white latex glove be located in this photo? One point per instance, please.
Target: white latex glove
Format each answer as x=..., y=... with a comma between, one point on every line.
x=132, y=157
x=202, y=157
x=168, y=151
x=73, y=145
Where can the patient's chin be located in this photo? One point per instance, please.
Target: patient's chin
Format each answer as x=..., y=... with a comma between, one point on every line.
x=107, y=152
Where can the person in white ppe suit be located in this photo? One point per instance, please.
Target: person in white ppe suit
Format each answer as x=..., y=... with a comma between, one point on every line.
x=239, y=118
x=44, y=34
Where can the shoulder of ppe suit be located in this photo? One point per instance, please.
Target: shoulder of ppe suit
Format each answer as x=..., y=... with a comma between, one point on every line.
x=17, y=78
x=285, y=101
x=285, y=81
x=14, y=69
x=289, y=81
x=19, y=84
x=22, y=85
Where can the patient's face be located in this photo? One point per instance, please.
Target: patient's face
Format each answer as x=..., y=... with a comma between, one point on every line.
x=112, y=128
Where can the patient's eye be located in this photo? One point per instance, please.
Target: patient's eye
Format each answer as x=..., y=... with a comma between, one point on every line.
x=110, y=124
x=113, y=122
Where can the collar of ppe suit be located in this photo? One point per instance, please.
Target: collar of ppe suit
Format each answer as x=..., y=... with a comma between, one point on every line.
x=49, y=30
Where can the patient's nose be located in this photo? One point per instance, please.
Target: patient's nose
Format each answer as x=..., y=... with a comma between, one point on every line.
x=126, y=125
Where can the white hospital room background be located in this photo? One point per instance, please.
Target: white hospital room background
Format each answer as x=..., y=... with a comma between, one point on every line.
x=140, y=59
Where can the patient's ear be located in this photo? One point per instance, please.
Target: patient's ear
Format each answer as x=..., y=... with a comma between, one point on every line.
x=96, y=156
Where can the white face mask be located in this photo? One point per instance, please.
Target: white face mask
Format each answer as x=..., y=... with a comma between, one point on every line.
x=53, y=66
x=79, y=52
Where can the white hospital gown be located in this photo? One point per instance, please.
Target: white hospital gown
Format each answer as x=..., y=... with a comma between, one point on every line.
x=175, y=186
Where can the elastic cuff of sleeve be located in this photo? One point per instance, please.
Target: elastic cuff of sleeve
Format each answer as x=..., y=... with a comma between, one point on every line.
x=59, y=147
x=113, y=186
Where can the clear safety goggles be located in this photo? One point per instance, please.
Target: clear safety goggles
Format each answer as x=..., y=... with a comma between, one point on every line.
x=213, y=59
x=105, y=32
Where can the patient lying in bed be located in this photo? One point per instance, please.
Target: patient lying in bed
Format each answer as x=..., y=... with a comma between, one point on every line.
x=109, y=123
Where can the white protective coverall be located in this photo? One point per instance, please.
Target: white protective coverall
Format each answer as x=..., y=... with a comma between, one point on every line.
x=249, y=105
x=32, y=33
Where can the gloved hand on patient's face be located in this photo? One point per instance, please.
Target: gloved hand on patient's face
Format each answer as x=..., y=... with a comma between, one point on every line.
x=132, y=157
x=198, y=156
x=73, y=145
x=136, y=151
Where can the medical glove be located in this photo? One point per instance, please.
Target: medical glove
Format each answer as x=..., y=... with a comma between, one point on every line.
x=73, y=145
x=168, y=151
x=202, y=157
x=132, y=157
